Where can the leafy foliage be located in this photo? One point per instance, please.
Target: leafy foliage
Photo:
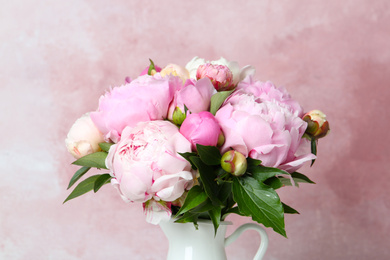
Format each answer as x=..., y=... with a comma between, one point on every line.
x=84, y=187
x=96, y=160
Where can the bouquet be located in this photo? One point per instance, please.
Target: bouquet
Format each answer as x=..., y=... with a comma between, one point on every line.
x=201, y=141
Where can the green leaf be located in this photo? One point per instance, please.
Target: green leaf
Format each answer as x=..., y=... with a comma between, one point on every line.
x=289, y=210
x=151, y=67
x=78, y=175
x=188, y=217
x=187, y=156
x=262, y=173
x=297, y=178
x=194, y=198
x=313, y=149
x=253, y=162
x=259, y=201
x=210, y=155
x=285, y=181
x=217, y=100
x=215, y=215
x=105, y=146
x=96, y=160
x=274, y=183
x=301, y=178
x=203, y=207
x=224, y=191
x=83, y=187
x=103, y=179
x=207, y=176
x=234, y=210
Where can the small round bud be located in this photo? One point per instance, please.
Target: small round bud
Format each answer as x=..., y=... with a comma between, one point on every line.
x=178, y=116
x=317, y=125
x=234, y=162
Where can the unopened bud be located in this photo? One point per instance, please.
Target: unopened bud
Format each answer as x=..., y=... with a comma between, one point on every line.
x=234, y=162
x=221, y=76
x=221, y=139
x=178, y=116
x=317, y=125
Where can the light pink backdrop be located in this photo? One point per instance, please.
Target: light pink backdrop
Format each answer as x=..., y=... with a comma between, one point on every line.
x=58, y=57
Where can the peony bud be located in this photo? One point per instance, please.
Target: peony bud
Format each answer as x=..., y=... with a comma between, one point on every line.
x=175, y=70
x=221, y=76
x=83, y=137
x=178, y=116
x=201, y=128
x=234, y=162
x=154, y=71
x=317, y=125
x=221, y=139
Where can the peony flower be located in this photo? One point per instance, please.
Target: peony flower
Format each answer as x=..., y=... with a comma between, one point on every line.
x=175, y=70
x=195, y=95
x=318, y=126
x=146, y=167
x=238, y=74
x=201, y=128
x=83, y=137
x=266, y=130
x=144, y=99
x=268, y=92
x=234, y=163
x=220, y=76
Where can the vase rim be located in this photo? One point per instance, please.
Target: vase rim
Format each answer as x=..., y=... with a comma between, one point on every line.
x=205, y=221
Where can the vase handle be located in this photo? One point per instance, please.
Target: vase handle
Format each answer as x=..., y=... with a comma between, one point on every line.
x=263, y=235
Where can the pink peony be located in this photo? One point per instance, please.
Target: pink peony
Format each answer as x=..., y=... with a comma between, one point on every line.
x=195, y=95
x=268, y=130
x=238, y=74
x=267, y=91
x=144, y=99
x=147, y=168
x=83, y=137
x=201, y=128
x=220, y=76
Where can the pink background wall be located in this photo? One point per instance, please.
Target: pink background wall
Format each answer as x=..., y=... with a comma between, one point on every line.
x=58, y=57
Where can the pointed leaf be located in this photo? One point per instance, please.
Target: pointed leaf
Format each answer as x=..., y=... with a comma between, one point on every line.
x=234, y=210
x=253, y=162
x=262, y=173
x=105, y=146
x=203, y=207
x=96, y=160
x=210, y=155
x=151, y=67
x=83, y=187
x=259, y=201
x=299, y=177
x=194, y=198
x=273, y=182
x=217, y=100
x=78, y=175
x=188, y=217
x=289, y=210
x=313, y=149
x=207, y=176
x=103, y=179
x=187, y=156
x=215, y=215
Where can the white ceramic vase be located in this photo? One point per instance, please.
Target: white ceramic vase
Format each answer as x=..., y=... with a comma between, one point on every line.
x=187, y=243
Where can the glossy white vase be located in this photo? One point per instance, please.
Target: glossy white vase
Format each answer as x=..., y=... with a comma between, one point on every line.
x=187, y=243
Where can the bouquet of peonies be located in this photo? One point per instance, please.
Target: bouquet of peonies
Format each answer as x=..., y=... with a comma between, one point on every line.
x=197, y=142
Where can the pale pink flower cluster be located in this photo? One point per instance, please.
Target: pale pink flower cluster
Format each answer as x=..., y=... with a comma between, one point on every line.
x=258, y=120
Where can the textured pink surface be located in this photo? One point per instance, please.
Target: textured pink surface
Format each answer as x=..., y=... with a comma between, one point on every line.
x=58, y=57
